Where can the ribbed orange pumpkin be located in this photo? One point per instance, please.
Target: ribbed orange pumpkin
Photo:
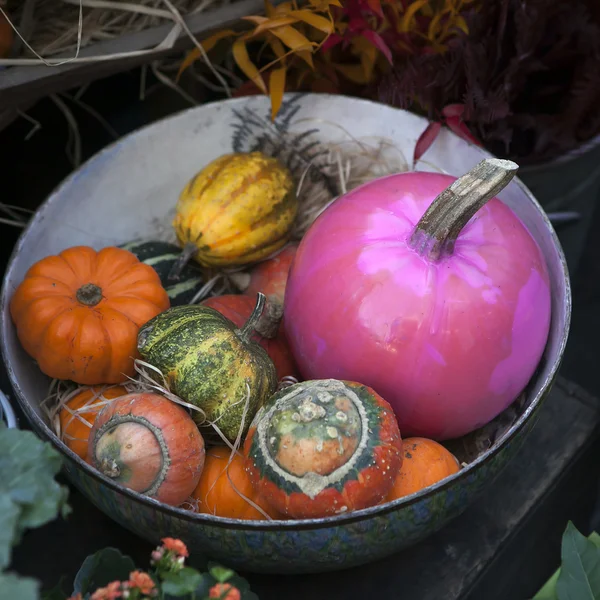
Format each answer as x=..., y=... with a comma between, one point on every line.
x=76, y=423
x=425, y=462
x=215, y=493
x=78, y=313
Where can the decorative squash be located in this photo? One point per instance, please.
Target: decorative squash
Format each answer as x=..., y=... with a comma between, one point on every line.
x=269, y=277
x=78, y=414
x=322, y=448
x=211, y=364
x=238, y=308
x=162, y=257
x=425, y=462
x=237, y=210
x=148, y=444
x=222, y=488
x=77, y=314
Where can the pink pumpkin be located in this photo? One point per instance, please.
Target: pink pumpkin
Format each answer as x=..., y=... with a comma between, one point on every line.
x=444, y=314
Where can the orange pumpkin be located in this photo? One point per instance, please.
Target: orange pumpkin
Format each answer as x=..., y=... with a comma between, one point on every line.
x=269, y=277
x=237, y=308
x=216, y=494
x=78, y=314
x=425, y=462
x=76, y=423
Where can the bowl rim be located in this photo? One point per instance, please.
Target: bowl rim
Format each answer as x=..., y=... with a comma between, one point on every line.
x=288, y=524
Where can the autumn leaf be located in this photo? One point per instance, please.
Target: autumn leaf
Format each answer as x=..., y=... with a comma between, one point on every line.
x=460, y=23
x=378, y=42
x=426, y=139
x=453, y=110
x=375, y=6
x=354, y=73
x=410, y=13
x=240, y=54
x=269, y=24
x=331, y=41
x=316, y=21
x=276, y=89
x=456, y=125
x=208, y=44
x=292, y=38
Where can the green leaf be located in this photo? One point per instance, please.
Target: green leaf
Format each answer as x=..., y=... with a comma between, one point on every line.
x=221, y=574
x=100, y=569
x=548, y=592
x=30, y=496
x=18, y=588
x=182, y=583
x=579, y=577
x=56, y=593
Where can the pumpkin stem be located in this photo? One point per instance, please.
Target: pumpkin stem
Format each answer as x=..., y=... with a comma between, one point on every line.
x=245, y=333
x=269, y=321
x=436, y=233
x=89, y=294
x=184, y=258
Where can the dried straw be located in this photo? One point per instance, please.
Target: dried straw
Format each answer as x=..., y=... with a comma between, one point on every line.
x=67, y=26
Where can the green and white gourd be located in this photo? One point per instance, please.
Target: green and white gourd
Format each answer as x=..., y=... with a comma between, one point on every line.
x=161, y=256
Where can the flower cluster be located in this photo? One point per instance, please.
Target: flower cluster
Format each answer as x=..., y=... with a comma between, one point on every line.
x=139, y=586
x=168, y=562
x=170, y=557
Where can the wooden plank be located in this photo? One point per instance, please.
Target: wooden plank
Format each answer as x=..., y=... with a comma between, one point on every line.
x=19, y=85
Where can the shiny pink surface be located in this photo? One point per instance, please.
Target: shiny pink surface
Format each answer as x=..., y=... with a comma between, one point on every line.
x=449, y=344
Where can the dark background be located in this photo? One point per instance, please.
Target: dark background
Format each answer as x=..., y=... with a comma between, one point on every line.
x=30, y=169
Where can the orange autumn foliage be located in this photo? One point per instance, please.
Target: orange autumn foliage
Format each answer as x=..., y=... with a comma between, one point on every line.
x=425, y=462
x=76, y=424
x=216, y=494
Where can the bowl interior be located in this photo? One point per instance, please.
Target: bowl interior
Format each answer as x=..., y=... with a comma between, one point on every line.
x=129, y=191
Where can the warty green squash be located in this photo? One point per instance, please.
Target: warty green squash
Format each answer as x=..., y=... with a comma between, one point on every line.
x=210, y=363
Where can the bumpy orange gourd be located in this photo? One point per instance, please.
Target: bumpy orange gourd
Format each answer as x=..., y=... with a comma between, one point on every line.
x=215, y=493
x=78, y=313
x=77, y=416
x=425, y=462
x=237, y=210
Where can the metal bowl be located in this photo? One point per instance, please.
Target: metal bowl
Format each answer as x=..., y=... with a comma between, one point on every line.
x=128, y=190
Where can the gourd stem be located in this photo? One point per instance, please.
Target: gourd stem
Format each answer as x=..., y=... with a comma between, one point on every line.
x=436, y=233
x=89, y=294
x=269, y=321
x=184, y=258
x=245, y=333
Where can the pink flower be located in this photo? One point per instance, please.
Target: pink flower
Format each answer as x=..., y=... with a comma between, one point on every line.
x=157, y=554
x=176, y=546
x=224, y=591
x=110, y=592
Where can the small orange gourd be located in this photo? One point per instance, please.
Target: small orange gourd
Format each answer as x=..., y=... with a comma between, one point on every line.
x=425, y=462
x=77, y=416
x=78, y=313
x=216, y=494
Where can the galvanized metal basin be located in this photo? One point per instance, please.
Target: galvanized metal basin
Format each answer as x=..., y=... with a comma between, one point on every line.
x=125, y=192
